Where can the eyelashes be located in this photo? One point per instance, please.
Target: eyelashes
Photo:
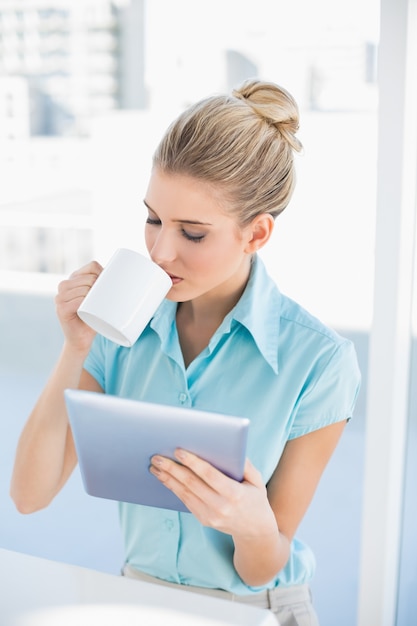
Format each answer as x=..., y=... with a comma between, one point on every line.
x=193, y=238
x=187, y=235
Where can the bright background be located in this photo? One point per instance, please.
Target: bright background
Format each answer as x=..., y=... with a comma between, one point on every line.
x=86, y=89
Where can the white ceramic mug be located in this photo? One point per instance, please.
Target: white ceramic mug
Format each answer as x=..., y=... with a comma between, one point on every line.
x=125, y=296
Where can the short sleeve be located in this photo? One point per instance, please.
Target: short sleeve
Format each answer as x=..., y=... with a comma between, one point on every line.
x=95, y=361
x=331, y=396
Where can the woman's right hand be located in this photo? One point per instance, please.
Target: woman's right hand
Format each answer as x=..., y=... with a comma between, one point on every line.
x=71, y=292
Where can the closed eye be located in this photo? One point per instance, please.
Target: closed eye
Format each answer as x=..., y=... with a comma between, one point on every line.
x=193, y=238
x=152, y=222
x=186, y=234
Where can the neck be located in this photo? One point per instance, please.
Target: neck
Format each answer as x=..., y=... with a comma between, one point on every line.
x=211, y=308
x=198, y=320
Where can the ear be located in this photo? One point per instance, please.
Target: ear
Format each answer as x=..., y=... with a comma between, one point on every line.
x=259, y=232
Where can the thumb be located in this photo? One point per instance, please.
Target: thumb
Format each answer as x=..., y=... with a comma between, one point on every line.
x=252, y=475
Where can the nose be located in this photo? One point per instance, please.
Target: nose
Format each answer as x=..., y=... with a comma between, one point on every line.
x=161, y=247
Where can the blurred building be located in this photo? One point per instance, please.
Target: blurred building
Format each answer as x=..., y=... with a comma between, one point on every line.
x=79, y=59
x=86, y=87
x=14, y=108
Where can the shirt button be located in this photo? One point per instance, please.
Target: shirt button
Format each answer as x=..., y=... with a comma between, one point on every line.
x=182, y=397
x=169, y=524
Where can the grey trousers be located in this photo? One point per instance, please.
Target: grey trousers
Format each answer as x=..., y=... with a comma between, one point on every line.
x=292, y=606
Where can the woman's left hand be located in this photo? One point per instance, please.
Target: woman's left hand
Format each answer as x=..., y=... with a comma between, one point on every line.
x=215, y=499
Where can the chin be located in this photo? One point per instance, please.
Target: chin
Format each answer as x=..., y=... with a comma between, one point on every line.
x=175, y=298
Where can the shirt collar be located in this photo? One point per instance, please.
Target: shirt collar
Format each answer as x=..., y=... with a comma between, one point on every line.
x=258, y=310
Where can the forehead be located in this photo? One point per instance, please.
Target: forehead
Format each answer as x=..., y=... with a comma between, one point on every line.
x=179, y=194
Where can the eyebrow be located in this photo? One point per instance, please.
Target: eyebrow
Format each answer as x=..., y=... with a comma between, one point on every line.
x=198, y=222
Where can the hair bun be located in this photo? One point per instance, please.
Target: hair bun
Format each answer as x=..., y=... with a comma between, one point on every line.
x=275, y=105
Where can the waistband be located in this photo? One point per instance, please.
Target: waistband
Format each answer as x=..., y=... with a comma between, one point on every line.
x=267, y=599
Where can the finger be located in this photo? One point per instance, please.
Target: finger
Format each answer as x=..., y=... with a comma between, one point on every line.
x=75, y=288
x=209, y=474
x=252, y=475
x=190, y=489
x=169, y=471
x=72, y=292
x=77, y=280
x=187, y=484
x=91, y=268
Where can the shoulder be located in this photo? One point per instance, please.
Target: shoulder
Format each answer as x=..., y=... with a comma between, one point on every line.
x=286, y=333
x=317, y=347
x=298, y=321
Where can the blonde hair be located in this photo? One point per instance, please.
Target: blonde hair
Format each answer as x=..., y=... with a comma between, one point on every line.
x=242, y=145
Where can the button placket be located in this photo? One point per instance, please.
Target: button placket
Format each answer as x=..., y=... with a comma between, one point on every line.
x=182, y=397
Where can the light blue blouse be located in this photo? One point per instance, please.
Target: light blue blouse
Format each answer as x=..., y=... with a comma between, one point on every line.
x=270, y=361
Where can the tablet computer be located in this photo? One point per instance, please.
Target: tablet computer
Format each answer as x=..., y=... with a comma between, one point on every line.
x=115, y=439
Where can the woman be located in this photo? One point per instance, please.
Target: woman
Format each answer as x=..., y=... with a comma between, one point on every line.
x=225, y=339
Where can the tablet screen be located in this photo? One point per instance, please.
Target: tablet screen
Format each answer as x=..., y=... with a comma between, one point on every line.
x=115, y=439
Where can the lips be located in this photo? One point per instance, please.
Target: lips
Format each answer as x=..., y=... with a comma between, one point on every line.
x=175, y=279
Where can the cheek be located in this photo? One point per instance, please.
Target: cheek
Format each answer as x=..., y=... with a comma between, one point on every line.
x=213, y=261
